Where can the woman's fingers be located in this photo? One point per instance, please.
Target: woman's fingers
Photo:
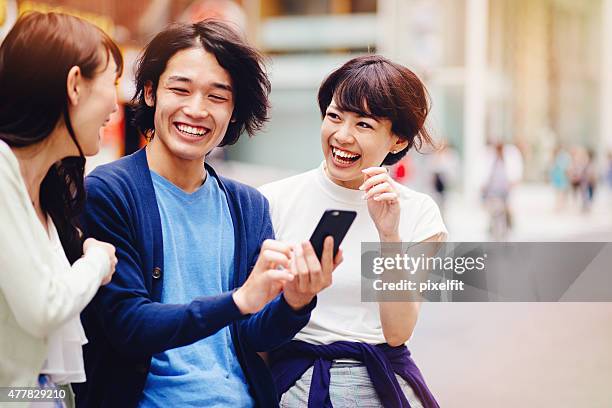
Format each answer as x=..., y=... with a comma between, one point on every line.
x=372, y=171
x=374, y=180
x=379, y=189
x=388, y=197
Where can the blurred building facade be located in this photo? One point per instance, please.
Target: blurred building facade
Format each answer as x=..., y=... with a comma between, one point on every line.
x=534, y=73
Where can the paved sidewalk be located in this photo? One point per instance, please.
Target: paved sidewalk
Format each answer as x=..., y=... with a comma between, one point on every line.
x=535, y=217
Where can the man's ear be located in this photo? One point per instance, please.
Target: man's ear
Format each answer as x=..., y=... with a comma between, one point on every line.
x=74, y=85
x=149, y=94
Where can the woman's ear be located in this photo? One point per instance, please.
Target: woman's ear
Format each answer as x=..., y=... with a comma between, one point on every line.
x=149, y=95
x=74, y=85
x=399, y=145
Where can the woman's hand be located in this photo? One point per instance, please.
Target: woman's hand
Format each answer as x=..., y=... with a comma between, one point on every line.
x=383, y=203
x=109, y=250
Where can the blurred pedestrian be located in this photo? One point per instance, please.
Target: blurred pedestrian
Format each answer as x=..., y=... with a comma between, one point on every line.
x=609, y=170
x=559, y=176
x=575, y=174
x=588, y=181
x=444, y=166
x=496, y=192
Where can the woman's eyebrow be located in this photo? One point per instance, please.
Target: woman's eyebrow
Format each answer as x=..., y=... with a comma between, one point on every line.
x=361, y=115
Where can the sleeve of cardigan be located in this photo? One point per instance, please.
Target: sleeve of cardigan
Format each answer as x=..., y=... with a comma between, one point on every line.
x=135, y=324
x=41, y=297
x=277, y=323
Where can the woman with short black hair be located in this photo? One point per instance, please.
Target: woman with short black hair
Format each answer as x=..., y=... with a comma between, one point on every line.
x=353, y=353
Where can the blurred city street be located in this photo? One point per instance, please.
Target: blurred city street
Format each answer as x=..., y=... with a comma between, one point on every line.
x=535, y=218
x=533, y=204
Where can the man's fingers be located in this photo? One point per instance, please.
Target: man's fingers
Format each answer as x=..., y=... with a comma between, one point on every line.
x=293, y=264
x=314, y=266
x=279, y=275
x=328, y=253
x=339, y=258
x=302, y=269
x=271, y=257
x=278, y=246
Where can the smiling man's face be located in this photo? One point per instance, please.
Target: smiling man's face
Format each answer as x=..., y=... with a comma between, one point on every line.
x=193, y=104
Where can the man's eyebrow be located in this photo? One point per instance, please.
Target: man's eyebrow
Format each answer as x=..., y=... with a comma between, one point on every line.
x=178, y=78
x=223, y=86
x=218, y=85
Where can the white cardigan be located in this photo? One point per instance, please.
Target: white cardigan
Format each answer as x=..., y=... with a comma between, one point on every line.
x=35, y=297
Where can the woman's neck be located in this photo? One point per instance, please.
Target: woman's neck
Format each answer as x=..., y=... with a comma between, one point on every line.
x=350, y=184
x=34, y=164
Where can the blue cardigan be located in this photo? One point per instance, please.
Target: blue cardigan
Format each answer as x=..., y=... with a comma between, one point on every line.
x=126, y=324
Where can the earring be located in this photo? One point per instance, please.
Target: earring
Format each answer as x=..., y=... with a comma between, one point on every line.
x=395, y=151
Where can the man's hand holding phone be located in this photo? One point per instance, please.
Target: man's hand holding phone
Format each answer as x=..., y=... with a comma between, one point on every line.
x=270, y=273
x=310, y=275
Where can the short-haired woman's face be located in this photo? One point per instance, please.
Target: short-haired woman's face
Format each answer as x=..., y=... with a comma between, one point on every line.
x=97, y=101
x=352, y=142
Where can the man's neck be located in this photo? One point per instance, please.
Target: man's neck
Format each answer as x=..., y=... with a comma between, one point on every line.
x=188, y=175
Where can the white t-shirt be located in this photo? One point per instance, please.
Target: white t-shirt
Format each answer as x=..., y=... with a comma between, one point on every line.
x=296, y=205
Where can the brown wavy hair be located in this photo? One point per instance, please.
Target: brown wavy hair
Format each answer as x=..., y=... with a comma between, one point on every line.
x=35, y=59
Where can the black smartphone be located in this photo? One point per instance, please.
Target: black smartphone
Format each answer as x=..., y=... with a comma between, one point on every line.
x=335, y=223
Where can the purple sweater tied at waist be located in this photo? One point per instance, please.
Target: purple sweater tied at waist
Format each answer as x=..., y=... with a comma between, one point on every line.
x=291, y=361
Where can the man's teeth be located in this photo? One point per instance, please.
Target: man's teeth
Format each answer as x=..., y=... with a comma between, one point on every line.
x=197, y=131
x=344, y=154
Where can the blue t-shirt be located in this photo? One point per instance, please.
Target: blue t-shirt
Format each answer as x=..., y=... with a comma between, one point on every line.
x=198, y=238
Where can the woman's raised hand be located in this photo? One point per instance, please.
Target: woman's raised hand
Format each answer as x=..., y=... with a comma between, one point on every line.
x=383, y=202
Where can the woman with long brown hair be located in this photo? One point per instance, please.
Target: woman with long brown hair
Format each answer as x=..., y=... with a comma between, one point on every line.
x=58, y=78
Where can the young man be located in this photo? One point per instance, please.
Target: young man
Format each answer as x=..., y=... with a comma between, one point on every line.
x=171, y=329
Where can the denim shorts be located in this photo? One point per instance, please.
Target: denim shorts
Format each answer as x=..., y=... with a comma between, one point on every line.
x=349, y=386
